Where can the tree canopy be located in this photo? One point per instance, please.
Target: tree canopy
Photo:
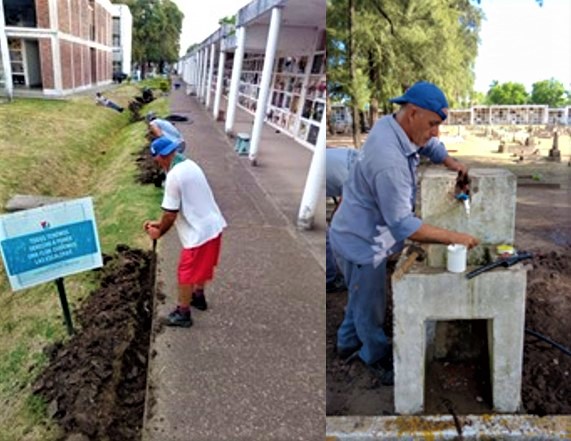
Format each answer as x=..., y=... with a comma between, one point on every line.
x=507, y=93
x=547, y=92
x=399, y=42
x=550, y=92
x=156, y=30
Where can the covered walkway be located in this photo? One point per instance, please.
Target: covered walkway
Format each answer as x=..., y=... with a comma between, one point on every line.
x=252, y=366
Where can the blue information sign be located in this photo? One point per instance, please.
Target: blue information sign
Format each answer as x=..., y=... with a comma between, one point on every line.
x=46, y=243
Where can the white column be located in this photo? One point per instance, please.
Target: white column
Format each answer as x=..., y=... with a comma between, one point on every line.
x=269, y=57
x=199, y=79
x=7, y=67
x=56, y=59
x=196, y=72
x=210, y=74
x=219, y=81
x=56, y=65
x=235, y=81
x=314, y=182
x=204, y=72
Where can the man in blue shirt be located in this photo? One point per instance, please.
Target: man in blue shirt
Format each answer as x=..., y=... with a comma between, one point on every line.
x=338, y=161
x=161, y=127
x=377, y=215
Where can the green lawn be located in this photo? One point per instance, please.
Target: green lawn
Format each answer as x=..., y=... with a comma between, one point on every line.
x=74, y=149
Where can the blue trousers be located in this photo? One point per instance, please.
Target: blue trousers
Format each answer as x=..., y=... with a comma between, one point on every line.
x=365, y=312
x=114, y=106
x=330, y=263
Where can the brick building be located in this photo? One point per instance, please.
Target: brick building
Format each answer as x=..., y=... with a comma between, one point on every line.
x=57, y=47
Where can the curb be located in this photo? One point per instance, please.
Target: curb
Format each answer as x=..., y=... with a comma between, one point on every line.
x=448, y=427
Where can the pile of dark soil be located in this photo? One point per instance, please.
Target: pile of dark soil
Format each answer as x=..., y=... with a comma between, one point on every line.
x=546, y=385
x=149, y=171
x=135, y=109
x=95, y=383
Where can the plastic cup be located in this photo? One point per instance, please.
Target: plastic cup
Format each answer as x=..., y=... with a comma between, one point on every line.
x=456, y=262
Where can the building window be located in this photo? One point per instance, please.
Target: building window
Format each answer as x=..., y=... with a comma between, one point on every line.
x=20, y=13
x=116, y=32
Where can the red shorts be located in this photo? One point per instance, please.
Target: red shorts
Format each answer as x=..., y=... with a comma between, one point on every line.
x=196, y=265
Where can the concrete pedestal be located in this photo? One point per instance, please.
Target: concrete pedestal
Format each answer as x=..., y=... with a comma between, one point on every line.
x=429, y=294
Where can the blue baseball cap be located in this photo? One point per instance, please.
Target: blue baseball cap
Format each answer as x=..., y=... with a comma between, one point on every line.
x=425, y=95
x=162, y=146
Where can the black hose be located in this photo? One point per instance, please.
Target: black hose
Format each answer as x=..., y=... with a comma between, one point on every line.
x=548, y=340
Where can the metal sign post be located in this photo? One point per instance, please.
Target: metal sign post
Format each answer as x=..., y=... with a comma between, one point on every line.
x=64, y=305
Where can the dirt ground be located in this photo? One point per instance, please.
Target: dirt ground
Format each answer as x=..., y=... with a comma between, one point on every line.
x=95, y=383
x=149, y=171
x=543, y=226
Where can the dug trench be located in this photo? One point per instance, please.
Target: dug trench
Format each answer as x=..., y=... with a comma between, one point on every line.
x=95, y=383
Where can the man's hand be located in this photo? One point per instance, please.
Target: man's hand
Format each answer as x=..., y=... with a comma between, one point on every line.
x=152, y=228
x=462, y=184
x=466, y=240
x=454, y=165
x=462, y=168
x=150, y=223
x=156, y=229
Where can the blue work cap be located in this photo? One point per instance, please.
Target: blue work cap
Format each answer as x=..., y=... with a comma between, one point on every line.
x=425, y=95
x=162, y=146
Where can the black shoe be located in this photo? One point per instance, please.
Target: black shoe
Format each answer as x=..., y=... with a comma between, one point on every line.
x=199, y=302
x=179, y=318
x=348, y=354
x=383, y=370
x=335, y=286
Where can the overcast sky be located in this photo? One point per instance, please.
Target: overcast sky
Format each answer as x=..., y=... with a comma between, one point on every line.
x=201, y=18
x=519, y=41
x=524, y=43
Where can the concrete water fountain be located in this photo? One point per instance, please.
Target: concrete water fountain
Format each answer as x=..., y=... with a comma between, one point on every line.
x=428, y=294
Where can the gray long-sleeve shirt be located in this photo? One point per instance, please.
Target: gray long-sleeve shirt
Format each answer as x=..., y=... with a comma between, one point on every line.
x=377, y=213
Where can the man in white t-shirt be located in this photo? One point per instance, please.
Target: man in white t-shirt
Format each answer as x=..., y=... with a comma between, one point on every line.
x=189, y=204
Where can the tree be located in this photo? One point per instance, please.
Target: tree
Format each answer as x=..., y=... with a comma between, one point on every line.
x=230, y=19
x=353, y=88
x=550, y=92
x=156, y=31
x=507, y=93
x=395, y=44
x=476, y=98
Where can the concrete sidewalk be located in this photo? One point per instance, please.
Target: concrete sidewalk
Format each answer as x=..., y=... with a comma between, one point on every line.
x=253, y=366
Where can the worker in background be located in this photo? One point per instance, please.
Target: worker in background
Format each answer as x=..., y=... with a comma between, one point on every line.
x=338, y=162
